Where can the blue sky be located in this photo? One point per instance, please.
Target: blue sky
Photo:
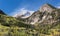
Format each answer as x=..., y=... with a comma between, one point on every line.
x=12, y=7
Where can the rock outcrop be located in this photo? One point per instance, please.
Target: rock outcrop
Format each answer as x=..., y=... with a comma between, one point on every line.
x=47, y=14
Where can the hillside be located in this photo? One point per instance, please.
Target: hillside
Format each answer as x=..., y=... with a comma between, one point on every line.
x=10, y=26
x=43, y=22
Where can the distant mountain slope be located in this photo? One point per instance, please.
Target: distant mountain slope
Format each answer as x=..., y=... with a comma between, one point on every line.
x=1, y=12
x=24, y=15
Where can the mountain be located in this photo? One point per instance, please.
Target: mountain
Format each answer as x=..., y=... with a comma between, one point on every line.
x=47, y=14
x=27, y=14
x=43, y=22
x=10, y=26
x=46, y=20
x=1, y=12
x=24, y=15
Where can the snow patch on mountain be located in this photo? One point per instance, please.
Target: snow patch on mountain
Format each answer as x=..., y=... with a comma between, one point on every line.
x=26, y=13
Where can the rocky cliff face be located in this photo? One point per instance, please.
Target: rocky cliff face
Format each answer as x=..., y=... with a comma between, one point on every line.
x=47, y=14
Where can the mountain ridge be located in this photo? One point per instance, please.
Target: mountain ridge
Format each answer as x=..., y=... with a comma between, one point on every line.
x=44, y=14
x=40, y=23
x=1, y=12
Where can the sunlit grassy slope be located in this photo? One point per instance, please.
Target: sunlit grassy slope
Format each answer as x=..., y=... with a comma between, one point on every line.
x=10, y=26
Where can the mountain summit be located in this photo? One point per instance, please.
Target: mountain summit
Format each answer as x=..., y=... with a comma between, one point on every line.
x=47, y=14
x=46, y=7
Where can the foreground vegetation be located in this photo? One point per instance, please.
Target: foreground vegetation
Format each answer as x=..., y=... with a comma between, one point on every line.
x=10, y=26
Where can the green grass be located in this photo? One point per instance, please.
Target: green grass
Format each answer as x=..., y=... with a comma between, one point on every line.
x=10, y=26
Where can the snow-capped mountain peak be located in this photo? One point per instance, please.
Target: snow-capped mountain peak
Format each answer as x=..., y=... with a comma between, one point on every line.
x=25, y=15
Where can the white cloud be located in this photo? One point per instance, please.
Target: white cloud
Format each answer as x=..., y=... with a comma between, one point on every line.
x=58, y=6
x=21, y=11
